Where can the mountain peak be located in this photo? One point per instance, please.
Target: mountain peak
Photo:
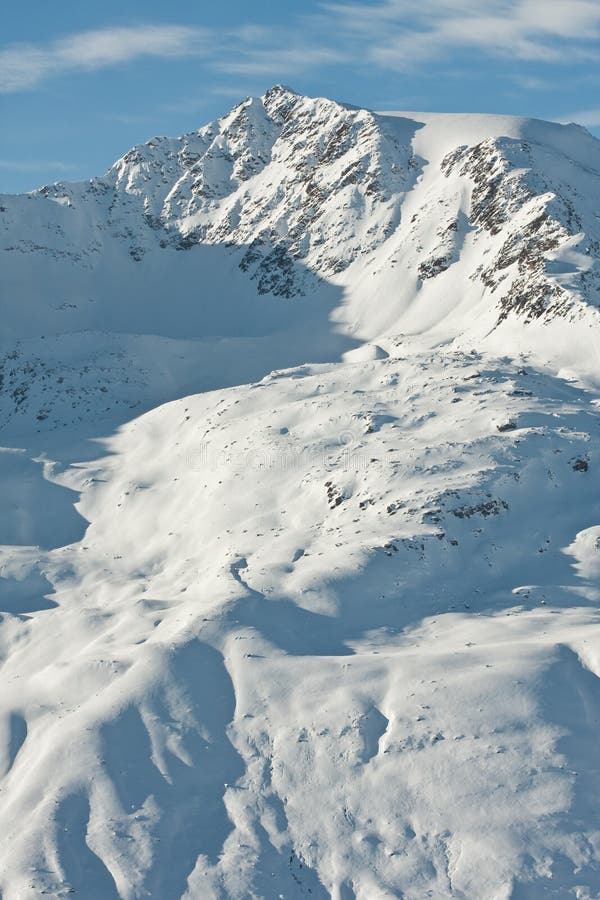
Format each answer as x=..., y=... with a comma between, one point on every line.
x=462, y=225
x=279, y=89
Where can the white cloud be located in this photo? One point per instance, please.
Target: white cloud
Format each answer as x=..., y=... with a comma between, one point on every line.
x=399, y=34
x=395, y=35
x=23, y=66
x=249, y=50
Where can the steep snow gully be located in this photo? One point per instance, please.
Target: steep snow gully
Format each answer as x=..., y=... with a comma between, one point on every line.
x=300, y=514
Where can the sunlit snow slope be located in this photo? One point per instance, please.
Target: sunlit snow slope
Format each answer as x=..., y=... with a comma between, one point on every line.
x=300, y=514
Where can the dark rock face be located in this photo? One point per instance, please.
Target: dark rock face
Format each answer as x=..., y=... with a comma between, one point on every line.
x=513, y=198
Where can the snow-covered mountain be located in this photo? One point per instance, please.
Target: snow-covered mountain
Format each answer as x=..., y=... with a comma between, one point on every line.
x=299, y=560
x=297, y=224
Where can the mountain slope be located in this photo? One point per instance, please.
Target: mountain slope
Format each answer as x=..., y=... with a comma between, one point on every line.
x=328, y=625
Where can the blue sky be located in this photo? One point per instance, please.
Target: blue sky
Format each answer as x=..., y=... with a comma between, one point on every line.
x=81, y=82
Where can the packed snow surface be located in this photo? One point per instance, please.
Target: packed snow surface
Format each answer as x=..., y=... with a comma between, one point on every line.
x=300, y=514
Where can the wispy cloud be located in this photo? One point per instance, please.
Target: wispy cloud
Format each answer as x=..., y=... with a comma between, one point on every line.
x=532, y=82
x=235, y=91
x=279, y=62
x=24, y=66
x=35, y=165
x=401, y=34
x=133, y=118
x=395, y=35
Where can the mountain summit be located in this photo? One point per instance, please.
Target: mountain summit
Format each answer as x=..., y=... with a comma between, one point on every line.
x=300, y=514
x=460, y=226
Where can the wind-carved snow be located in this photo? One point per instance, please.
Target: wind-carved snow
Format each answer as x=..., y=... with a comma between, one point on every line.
x=301, y=514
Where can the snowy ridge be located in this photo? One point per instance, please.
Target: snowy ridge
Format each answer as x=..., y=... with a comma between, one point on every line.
x=316, y=180
x=300, y=491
